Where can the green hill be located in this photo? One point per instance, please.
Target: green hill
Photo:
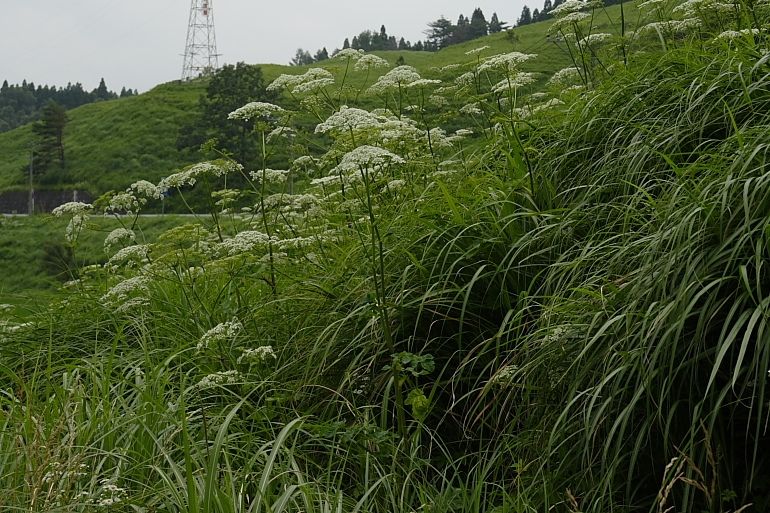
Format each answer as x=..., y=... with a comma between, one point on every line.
x=112, y=143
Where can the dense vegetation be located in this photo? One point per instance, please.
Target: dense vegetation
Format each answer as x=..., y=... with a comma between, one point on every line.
x=485, y=291
x=110, y=143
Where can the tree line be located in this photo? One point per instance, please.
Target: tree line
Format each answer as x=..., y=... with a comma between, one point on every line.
x=532, y=16
x=440, y=33
x=23, y=103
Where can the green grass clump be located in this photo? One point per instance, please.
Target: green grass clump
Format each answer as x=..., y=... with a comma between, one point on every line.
x=561, y=309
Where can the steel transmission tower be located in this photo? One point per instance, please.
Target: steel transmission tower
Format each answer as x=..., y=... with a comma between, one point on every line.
x=200, y=54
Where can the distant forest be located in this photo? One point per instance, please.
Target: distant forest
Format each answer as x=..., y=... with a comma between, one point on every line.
x=440, y=34
x=23, y=103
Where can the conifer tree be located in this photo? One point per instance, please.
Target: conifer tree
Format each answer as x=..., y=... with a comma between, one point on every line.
x=526, y=16
x=495, y=25
x=478, y=25
x=101, y=92
x=49, y=138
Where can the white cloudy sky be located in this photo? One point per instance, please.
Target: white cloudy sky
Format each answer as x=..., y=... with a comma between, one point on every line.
x=138, y=43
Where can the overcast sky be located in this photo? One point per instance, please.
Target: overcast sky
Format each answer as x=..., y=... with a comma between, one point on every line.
x=139, y=43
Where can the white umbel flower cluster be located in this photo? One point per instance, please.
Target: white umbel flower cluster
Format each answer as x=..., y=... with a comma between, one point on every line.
x=130, y=256
x=505, y=62
x=222, y=332
x=245, y=242
x=256, y=110
x=145, y=189
x=395, y=79
x=274, y=176
x=138, y=285
x=370, y=61
x=219, y=379
x=565, y=76
x=79, y=212
x=72, y=208
x=193, y=173
x=118, y=236
x=291, y=82
x=347, y=119
x=477, y=50
x=514, y=81
x=366, y=157
x=349, y=53
x=596, y=39
x=259, y=355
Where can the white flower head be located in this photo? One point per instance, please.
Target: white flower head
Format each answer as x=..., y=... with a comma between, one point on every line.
x=123, y=203
x=223, y=332
x=370, y=61
x=256, y=110
x=423, y=82
x=514, y=81
x=477, y=50
x=394, y=79
x=596, y=39
x=276, y=176
x=346, y=119
x=72, y=208
x=130, y=256
x=145, y=189
x=259, y=355
x=568, y=7
x=138, y=285
x=349, y=53
x=472, y=109
x=565, y=76
x=506, y=61
x=312, y=86
x=245, y=242
x=118, y=236
x=371, y=157
x=192, y=174
x=219, y=379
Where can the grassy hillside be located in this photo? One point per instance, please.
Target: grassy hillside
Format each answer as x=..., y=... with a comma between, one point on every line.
x=110, y=144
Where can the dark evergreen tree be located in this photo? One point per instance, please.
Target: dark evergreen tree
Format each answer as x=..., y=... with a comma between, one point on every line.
x=526, y=16
x=478, y=24
x=536, y=15
x=400, y=61
x=321, y=55
x=547, y=7
x=494, y=24
x=49, y=138
x=402, y=44
x=346, y=44
x=301, y=58
x=101, y=92
x=439, y=33
x=461, y=31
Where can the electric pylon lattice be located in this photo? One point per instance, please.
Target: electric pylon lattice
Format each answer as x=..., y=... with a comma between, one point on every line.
x=200, y=54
